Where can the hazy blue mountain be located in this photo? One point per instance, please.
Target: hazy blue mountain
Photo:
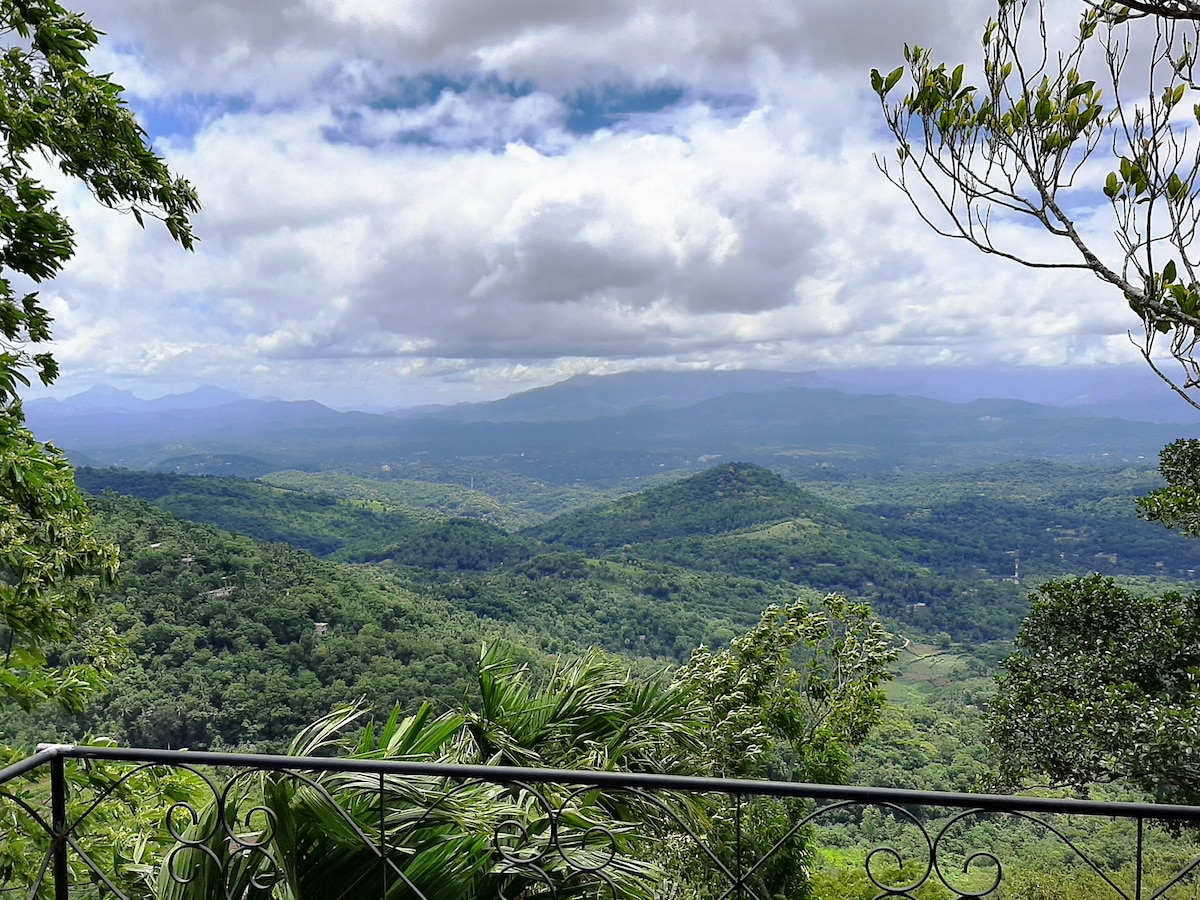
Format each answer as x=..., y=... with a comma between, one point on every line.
x=598, y=431
x=105, y=397
x=204, y=397
x=1128, y=392
x=1125, y=392
x=101, y=397
x=593, y=396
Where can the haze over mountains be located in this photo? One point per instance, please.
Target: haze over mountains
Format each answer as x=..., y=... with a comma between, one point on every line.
x=605, y=429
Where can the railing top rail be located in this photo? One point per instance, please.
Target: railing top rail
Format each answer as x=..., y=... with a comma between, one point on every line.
x=612, y=780
x=45, y=753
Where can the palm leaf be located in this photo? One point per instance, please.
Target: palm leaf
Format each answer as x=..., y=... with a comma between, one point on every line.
x=338, y=835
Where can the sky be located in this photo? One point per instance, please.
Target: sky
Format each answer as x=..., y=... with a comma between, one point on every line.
x=431, y=201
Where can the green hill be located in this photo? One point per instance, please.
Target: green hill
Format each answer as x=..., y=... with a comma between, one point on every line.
x=236, y=643
x=726, y=498
x=931, y=553
x=339, y=528
x=938, y=553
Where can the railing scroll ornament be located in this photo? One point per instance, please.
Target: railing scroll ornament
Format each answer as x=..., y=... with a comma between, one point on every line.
x=77, y=823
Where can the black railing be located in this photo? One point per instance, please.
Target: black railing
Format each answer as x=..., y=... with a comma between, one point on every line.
x=94, y=822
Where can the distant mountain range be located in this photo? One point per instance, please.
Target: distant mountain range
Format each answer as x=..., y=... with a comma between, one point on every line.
x=103, y=397
x=1123, y=393
x=602, y=430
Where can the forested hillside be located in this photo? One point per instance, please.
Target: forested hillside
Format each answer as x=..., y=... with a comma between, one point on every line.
x=237, y=643
x=724, y=498
x=935, y=553
x=238, y=639
x=356, y=529
x=943, y=557
x=251, y=608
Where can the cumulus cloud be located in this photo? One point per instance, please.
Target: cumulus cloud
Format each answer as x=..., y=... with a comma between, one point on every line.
x=451, y=198
x=274, y=45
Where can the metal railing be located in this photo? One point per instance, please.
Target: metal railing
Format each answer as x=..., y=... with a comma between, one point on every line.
x=98, y=822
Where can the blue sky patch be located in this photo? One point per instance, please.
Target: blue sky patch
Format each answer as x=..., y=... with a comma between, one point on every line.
x=425, y=89
x=591, y=109
x=183, y=116
x=392, y=113
x=403, y=113
x=730, y=106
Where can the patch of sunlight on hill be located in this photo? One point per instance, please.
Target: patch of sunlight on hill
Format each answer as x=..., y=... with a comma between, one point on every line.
x=793, y=530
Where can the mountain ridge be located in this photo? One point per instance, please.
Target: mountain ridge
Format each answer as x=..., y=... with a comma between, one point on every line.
x=595, y=432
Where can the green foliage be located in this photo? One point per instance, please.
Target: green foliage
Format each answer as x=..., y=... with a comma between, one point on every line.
x=790, y=699
x=351, y=529
x=443, y=837
x=315, y=521
x=931, y=553
x=721, y=499
x=1019, y=145
x=52, y=564
x=643, y=609
x=454, y=545
x=937, y=554
x=591, y=712
x=238, y=644
x=931, y=733
x=248, y=669
x=508, y=506
x=1178, y=504
x=795, y=694
x=525, y=500
x=118, y=820
x=53, y=107
x=51, y=567
x=1102, y=685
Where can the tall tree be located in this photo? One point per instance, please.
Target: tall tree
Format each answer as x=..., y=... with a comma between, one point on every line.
x=788, y=700
x=1103, y=685
x=1102, y=682
x=54, y=107
x=1052, y=137
x=793, y=696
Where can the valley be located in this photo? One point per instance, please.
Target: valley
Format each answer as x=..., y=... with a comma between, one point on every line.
x=271, y=575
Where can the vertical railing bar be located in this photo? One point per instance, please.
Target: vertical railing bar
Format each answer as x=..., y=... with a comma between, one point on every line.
x=737, y=825
x=58, y=825
x=1140, y=847
x=383, y=857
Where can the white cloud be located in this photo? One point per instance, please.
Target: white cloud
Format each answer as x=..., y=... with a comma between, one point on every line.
x=443, y=199
x=276, y=46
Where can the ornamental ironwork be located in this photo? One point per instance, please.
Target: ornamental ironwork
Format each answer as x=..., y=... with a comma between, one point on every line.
x=104, y=822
